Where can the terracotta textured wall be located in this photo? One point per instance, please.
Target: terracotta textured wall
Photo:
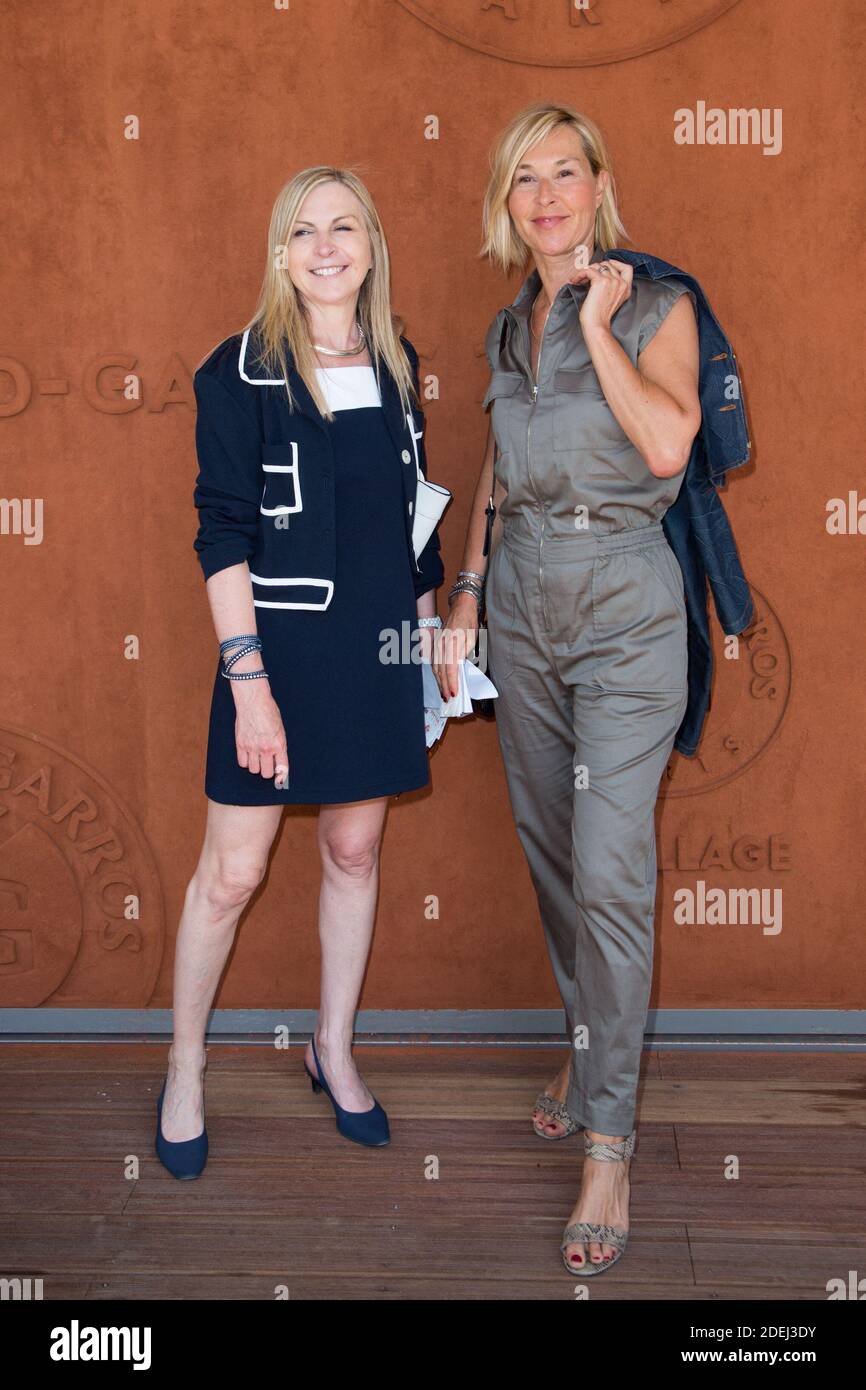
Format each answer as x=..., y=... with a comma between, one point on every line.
x=126, y=260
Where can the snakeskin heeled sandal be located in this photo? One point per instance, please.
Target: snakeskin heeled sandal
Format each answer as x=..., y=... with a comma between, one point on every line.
x=587, y=1231
x=557, y=1111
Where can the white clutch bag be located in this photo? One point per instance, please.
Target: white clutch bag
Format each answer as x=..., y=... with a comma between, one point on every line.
x=430, y=502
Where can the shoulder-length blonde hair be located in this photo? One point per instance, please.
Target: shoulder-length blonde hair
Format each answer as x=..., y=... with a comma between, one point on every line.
x=280, y=321
x=501, y=241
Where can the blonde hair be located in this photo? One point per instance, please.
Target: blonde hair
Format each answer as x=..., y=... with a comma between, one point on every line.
x=502, y=243
x=280, y=318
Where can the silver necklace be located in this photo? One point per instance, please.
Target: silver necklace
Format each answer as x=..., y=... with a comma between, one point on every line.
x=348, y=352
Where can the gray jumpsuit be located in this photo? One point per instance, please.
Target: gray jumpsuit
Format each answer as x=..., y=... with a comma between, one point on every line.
x=587, y=648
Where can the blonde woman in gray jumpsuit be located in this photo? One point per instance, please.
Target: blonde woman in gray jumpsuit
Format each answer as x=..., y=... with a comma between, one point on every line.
x=594, y=405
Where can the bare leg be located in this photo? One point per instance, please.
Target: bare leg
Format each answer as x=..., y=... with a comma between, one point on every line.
x=604, y=1194
x=350, y=835
x=231, y=866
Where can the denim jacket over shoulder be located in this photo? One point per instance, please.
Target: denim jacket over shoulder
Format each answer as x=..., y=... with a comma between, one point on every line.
x=696, y=526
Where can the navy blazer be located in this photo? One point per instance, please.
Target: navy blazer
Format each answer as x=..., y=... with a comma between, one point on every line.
x=696, y=526
x=259, y=460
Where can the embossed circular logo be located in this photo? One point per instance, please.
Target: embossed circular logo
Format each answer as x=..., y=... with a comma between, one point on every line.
x=566, y=33
x=81, y=905
x=750, y=697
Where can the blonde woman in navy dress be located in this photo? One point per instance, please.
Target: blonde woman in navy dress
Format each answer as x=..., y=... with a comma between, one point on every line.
x=305, y=542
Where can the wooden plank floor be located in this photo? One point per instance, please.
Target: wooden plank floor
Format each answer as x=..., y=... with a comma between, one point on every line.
x=284, y=1201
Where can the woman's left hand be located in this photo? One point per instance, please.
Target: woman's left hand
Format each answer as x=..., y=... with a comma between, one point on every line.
x=609, y=288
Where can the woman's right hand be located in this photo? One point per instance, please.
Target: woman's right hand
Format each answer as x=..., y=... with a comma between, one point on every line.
x=260, y=738
x=453, y=644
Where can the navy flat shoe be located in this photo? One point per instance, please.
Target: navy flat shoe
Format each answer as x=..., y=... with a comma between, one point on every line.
x=368, y=1127
x=184, y=1158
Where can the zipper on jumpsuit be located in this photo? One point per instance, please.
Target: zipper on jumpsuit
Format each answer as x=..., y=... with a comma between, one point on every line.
x=528, y=461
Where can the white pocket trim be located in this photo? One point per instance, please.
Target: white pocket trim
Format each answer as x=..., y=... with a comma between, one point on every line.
x=298, y=505
x=265, y=603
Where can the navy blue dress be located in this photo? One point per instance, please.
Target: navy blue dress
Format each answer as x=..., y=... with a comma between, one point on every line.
x=354, y=724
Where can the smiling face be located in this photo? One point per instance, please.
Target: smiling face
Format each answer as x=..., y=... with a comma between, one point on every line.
x=329, y=250
x=554, y=196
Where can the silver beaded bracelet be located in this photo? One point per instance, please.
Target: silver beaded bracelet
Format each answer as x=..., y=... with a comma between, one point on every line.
x=245, y=644
x=236, y=641
x=244, y=675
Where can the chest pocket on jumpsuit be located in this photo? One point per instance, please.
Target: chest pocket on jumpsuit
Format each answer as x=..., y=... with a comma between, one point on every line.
x=502, y=386
x=584, y=423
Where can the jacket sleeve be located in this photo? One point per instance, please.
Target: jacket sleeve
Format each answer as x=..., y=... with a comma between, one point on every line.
x=431, y=571
x=228, y=489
